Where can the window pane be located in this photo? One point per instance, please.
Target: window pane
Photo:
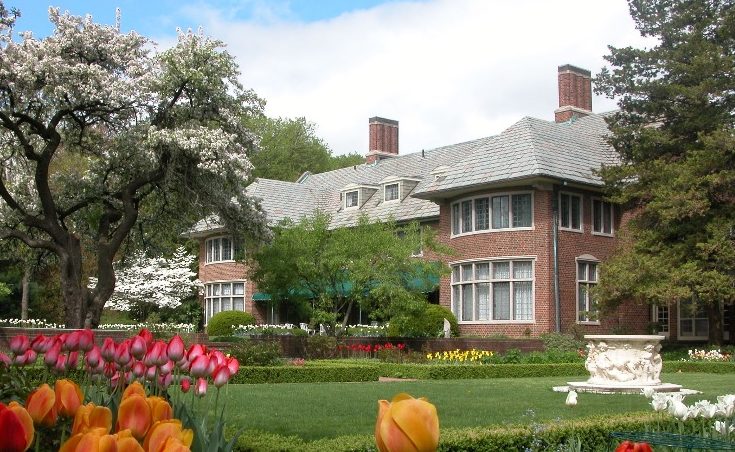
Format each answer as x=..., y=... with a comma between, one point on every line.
x=215, y=289
x=581, y=271
x=455, y=301
x=592, y=272
x=226, y=289
x=607, y=218
x=501, y=270
x=597, y=215
x=576, y=212
x=501, y=301
x=455, y=273
x=351, y=199
x=500, y=212
x=215, y=306
x=521, y=211
x=227, y=304
x=582, y=295
x=467, y=302
x=482, y=271
x=209, y=250
x=455, y=218
x=467, y=272
x=564, y=210
x=686, y=327
x=523, y=300
x=226, y=249
x=239, y=304
x=483, y=301
x=239, y=288
x=207, y=309
x=209, y=289
x=701, y=327
x=482, y=214
x=522, y=270
x=391, y=192
x=466, y=216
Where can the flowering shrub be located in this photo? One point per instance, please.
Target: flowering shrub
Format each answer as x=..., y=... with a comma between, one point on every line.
x=708, y=355
x=267, y=330
x=459, y=357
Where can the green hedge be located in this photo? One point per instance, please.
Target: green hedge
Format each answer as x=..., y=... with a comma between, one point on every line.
x=590, y=434
x=305, y=374
x=458, y=372
x=711, y=367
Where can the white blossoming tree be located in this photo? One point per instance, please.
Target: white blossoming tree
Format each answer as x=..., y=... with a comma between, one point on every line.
x=98, y=130
x=158, y=280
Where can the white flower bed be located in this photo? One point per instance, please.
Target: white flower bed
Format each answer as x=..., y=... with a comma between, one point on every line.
x=154, y=327
x=30, y=323
x=708, y=355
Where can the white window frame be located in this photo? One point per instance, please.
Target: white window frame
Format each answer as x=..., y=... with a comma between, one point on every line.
x=357, y=204
x=661, y=316
x=209, y=258
x=456, y=216
x=589, y=283
x=611, y=208
x=398, y=192
x=456, y=306
x=211, y=294
x=570, y=215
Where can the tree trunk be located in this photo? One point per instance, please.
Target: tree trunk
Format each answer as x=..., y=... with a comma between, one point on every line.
x=714, y=314
x=73, y=289
x=348, y=311
x=25, y=285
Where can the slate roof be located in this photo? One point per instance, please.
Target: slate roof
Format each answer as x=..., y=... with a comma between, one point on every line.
x=530, y=148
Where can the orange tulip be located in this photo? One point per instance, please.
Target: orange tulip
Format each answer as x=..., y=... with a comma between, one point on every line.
x=132, y=389
x=134, y=413
x=174, y=445
x=160, y=409
x=15, y=427
x=93, y=440
x=69, y=397
x=25, y=420
x=91, y=416
x=127, y=443
x=406, y=424
x=162, y=431
x=41, y=406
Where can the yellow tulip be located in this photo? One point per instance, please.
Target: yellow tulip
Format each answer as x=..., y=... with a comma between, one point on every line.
x=69, y=397
x=91, y=416
x=406, y=424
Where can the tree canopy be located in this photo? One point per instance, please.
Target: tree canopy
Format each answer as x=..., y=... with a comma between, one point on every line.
x=369, y=265
x=98, y=131
x=674, y=133
x=290, y=147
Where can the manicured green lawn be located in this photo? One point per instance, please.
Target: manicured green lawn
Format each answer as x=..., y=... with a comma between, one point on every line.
x=321, y=410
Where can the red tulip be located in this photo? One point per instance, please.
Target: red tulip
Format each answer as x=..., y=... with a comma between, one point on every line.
x=61, y=363
x=93, y=357
x=183, y=364
x=199, y=366
x=38, y=344
x=221, y=376
x=139, y=369
x=72, y=341
x=138, y=347
x=200, y=389
x=185, y=385
x=212, y=365
x=5, y=360
x=146, y=335
x=150, y=373
x=234, y=365
x=175, y=349
x=15, y=430
x=86, y=340
x=196, y=350
x=72, y=361
x=19, y=344
x=166, y=368
x=27, y=358
x=218, y=357
x=108, y=349
x=164, y=381
x=633, y=447
x=52, y=355
x=122, y=353
x=110, y=369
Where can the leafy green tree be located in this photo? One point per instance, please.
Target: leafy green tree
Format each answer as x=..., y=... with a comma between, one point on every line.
x=290, y=147
x=369, y=265
x=675, y=136
x=95, y=128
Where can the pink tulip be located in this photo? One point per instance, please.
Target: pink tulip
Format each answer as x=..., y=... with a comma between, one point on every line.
x=139, y=369
x=5, y=360
x=61, y=363
x=93, y=357
x=71, y=363
x=138, y=347
x=72, y=341
x=212, y=365
x=164, y=381
x=150, y=373
x=166, y=368
x=61, y=338
x=200, y=366
x=110, y=369
x=108, y=349
x=129, y=377
x=196, y=350
x=218, y=357
x=175, y=349
x=221, y=376
x=86, y=340
x=183, y=364
x=234, y=365
x=200, y=390
x=156, y=355
x=122, y=353
x=185, y=385
x=146, y=335
x=52, y=355
x=39, y=344
x=31, y=356
x=19, y=344
x=20, y=360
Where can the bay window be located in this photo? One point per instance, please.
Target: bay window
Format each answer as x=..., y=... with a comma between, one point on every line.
x=490, y=213
x=493, y=291
x=220, y=249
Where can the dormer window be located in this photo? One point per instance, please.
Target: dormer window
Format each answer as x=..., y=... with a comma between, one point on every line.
x=391, y=192
x=351, y=199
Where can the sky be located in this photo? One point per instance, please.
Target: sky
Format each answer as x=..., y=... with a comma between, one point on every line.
x=448, y=70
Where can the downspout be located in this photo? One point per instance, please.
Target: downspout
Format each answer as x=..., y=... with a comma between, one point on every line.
x=555, y=250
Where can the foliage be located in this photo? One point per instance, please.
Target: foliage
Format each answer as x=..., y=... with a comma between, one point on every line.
x=224, y=323
x=320, y=347
x=561, y=342
x=257, y=353
x=674, y=136
x=307, y=374
x=368, y=265
x=268, y=330
x=290, y=147
x=159, y=280
x=428, y=323
x=460, y=356
x=150, y=142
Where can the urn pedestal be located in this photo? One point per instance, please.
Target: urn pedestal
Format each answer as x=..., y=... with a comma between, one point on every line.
x=623, y=364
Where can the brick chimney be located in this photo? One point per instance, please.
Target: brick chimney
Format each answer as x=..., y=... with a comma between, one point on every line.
x=575, y=93
x=383, y=141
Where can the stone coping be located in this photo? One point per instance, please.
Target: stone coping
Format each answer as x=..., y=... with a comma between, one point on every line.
x=625, y=337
